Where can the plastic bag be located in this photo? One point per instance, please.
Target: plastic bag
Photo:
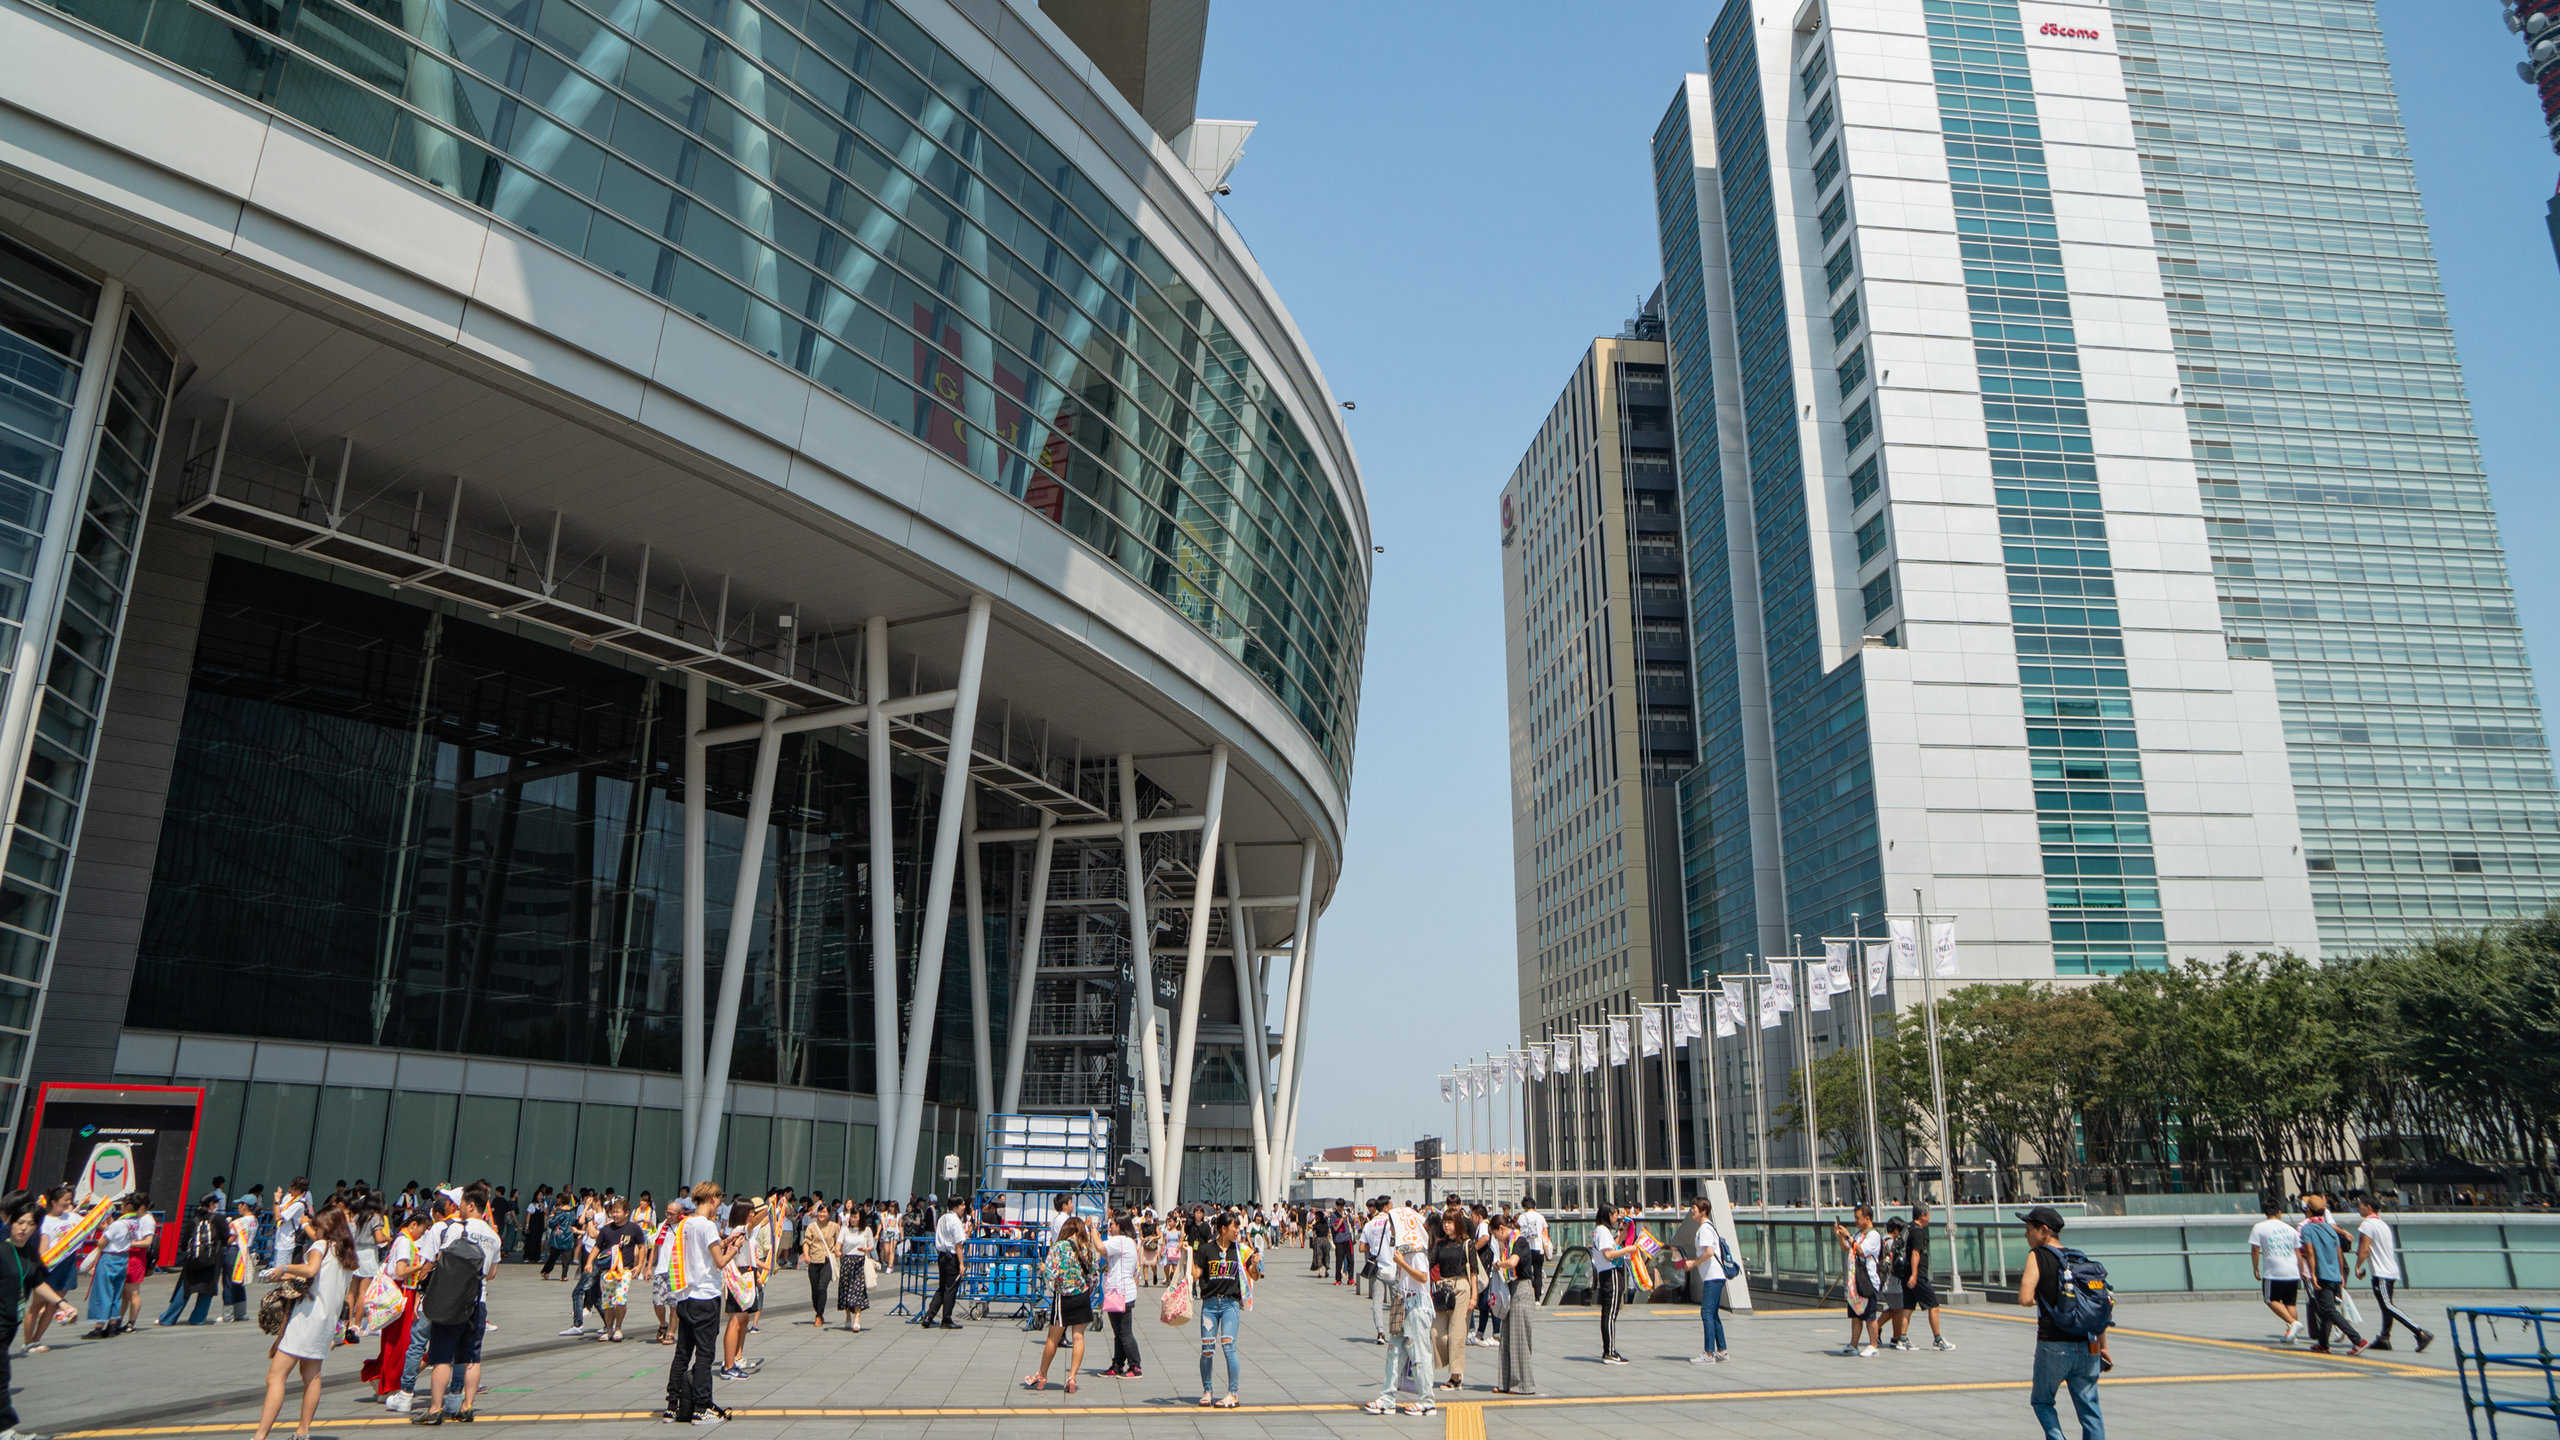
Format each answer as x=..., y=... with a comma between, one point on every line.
x=1176, y=1309
x=383, y=1302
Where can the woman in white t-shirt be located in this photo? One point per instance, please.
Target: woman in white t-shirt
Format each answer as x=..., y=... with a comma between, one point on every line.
x=856, y=1243
x=1706, y=1256
x=1120, y=1297
x=312, y=1328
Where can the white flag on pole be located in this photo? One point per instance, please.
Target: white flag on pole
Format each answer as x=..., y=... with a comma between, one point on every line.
x=1564, y=1056
x=1484, y=1079
x=1782, y=983
x=1501, y=1072
x=1906, y=949
x=1538, y=1062
x=1817, y=988
x=1835, y=958
x=1448, y=1089
x=1768, y=1007
x=1617, y=1042
x=1690, y=1028
x=1728, y=1015
x=1652, y=1032
x=1590, y=1050
x=1878, y=954
x=1942, y=948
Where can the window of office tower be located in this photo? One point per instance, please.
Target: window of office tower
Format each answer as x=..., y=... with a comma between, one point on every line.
x=843, y=196
x=2102, y=893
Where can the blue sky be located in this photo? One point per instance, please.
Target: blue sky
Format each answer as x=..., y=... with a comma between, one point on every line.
x=1453, y=200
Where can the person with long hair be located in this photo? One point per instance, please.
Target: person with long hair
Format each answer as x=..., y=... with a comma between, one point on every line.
x=388, y=1369
x=1608, y=1278
x=1067, y=1273
x=857, y=1242
x=820, y=1238
x=327, y=1265
x=1513, y=1260
x=743, y=1283
x=1453, y=1293
x=23, y=1280
x=1223, y=1269
x=1120, y=1297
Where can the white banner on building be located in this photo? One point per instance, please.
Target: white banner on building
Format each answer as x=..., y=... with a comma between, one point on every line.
x=1768, y=1007
x=1835, y=960
x=1906, y=949
x=1538, y=1062
x=1728, y=1015
x=1651, y=1038
x=1590, y=1051
x=1817, y=988
x=1879, y=955
x=1617, y=1042
x=1942, y=948
x=1782, y=984
x=1564, y=1057
x=1690, y=1028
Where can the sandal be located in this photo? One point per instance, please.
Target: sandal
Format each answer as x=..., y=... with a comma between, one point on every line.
x=1228, y=1401
x=1071, y=1384
x=1207, y=1400
x=1035, y=1382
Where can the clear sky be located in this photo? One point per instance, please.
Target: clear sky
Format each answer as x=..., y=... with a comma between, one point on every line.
x=1453, y=199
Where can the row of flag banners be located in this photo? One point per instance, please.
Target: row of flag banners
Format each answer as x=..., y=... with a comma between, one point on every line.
x=1898, y=957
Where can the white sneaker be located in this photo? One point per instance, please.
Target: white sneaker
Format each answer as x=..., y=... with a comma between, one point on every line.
x=397, y=1402
x=575, y=1330
x=1866, y=1351
x=2292, y=1332
x=1848, y=1350
x=1703, y=1357
x=1942, y=1343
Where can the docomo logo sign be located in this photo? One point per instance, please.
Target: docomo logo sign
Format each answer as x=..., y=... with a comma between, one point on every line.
x=2061, y=31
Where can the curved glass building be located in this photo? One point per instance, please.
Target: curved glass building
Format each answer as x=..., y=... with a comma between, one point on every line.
x=638, y=590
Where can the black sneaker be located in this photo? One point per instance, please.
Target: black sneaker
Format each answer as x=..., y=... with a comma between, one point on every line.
x=2425, y=1339
x=2379, y=1345
x=432, y=1417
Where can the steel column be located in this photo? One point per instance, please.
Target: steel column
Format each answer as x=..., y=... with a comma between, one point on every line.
x=957, y=796
x=696, y=815
x=733, y=957
x=884, y=916
x=1293, y=1010
x=1257, y=1057
x=1026, y=972
x=1195, y=965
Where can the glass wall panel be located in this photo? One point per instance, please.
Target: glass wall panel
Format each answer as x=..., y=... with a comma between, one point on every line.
x=604, y=1146
x=484, y=1146
x=218, y=1132
x=419, y=1143
x=547, y=1146
x=791, y=1155
x=826, y=1165
x=654, y=1165
x=749, y=1168
x=862, y=1165
x=346, y=1141
x=275, y=1133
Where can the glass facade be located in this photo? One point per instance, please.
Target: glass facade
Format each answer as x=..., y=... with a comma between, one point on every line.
x=2353, y=539
x=823, y=181
x=1714, y=797
x=2102, y=890
x=1825, y=785
x=47, y=319
x=388, y=825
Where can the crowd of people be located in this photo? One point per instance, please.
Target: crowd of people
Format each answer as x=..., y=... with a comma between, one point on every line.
x=408, y=1273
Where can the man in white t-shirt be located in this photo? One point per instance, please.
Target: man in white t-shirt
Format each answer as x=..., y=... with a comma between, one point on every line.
x=456, y=1345
x=2378, y=1255
x=695, y=1255
x=1373, y=1265
x=291, y=1206
x=1058, y=1215
x=2273, y=1259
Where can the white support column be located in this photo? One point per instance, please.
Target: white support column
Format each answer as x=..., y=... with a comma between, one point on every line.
x=733, y=956
x=1284, y=1107
x=884, y=917
x=1249, y=1021
x=696, y=816
x=981, y=1041
x=1026, y=972
x=1142, y=954
x=1195, y=965
x=1296, y=1078
x=956, y=797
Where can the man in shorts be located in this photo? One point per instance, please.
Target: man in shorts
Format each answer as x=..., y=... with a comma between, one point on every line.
x=2275, y=1260
x=1917, y=1292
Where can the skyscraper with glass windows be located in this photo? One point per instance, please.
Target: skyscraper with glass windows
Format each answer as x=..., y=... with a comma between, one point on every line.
x=1941, y=509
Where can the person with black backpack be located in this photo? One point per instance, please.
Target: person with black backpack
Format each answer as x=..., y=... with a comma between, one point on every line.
x=2073, y=1308
x=458, y=1255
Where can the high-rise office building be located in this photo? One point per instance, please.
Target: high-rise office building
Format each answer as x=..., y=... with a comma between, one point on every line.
x=1596, y=658
x=1911, y=291
x=1597, y=665
x=706, y=590
x=2354, y=542
x=2084, y=526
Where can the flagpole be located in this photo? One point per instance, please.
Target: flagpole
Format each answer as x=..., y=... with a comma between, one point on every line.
x=1678, y=1035
x=1760, y=1100
x=1867, y=1056
x=1938, y=1084
x=1812, y=1114
x=1714, y=1080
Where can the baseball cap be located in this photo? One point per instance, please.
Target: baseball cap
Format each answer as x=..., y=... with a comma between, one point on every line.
x=2044, y=1215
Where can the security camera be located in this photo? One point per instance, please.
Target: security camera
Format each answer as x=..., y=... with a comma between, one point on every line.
x=1226, y=189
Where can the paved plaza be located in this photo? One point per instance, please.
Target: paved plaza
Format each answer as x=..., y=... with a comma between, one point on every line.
x=2199, y=1368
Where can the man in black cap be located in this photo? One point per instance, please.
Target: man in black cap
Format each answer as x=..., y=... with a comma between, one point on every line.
x=2061, y=1359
